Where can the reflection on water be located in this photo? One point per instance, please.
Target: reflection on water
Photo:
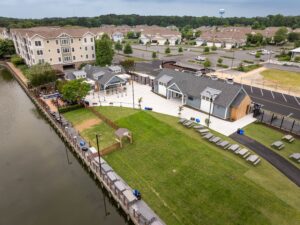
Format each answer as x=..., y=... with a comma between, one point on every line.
x=38, y=185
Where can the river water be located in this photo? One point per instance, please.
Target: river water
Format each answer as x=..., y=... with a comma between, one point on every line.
x=37, y=184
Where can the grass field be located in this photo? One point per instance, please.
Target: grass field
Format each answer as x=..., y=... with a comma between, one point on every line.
x=267, y=136
x=187, y=180
x=283, y=78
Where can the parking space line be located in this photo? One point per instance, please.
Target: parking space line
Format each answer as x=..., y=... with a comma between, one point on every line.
x=251, y=89
x=284, y=97
x=272, y=94
x=262, y=94
x=297, y=100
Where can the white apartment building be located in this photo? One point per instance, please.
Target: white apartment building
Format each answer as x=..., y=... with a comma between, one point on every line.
x=60, y=47
x=4, y=33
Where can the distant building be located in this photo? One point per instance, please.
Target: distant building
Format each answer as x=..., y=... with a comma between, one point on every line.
x=229, y=101
x=117, y=37
x=60, y=47
x=4, y=33
x=295, y=53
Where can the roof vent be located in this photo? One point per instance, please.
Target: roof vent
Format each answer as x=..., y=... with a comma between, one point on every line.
x=229, y=80
x=214, y=77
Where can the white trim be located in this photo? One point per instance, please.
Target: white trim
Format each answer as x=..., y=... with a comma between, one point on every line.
x=112, y=78
x=168, y=88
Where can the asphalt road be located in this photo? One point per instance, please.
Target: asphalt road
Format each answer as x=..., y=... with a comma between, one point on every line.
x=276, y=102
x=283, y=165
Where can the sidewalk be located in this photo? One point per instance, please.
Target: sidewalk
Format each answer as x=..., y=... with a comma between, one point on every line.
x=164, y=106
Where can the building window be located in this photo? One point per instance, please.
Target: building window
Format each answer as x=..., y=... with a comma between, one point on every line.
x=80, y=48
x=39, y=52
x=57, y=42
x=74, y=58
x=79, y=39
x=59, y=59
x=64, y=41
x=86, y=48
x=92, y=40
x=67, y=58
x=81, y=56
x=86, y=56
x=93, y=55
x=38, y=43
x=50, y=59
x=58, y=51
x=41, y=61
x=84, y=40
x=73, y=49
x=48, y=42
x=49, y=50
x=72, y=41
x=190, y=98
x=65, y=50
x=92, y=47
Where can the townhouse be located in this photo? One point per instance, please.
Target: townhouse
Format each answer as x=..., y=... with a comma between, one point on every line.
x=60, y=47
x=223, y=99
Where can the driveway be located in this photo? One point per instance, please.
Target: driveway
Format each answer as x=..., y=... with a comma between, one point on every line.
x=283, y=165
x=164, y=106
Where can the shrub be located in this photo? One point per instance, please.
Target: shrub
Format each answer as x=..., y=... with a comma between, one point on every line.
x=127, y=49
x=214, y=48
x=41, y=74
x=70, y=108
x=168, y=50
x=207, y=63
x=258, y=55
x=220, y=61
x=297, y=59
x=154, y=55
x=222, y=65
x=180, y=49
x=206, y=49
x=17, y=60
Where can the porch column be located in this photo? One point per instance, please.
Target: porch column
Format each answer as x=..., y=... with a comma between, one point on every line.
x=182, y=99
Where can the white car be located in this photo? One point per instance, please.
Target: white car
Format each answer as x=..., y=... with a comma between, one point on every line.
x=200, y=58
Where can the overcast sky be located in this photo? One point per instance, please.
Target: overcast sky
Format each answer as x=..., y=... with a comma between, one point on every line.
x=67, y=8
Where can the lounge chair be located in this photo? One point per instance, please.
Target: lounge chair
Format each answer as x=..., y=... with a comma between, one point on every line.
x=208, y=136
x=215, y=139
x=203, y=131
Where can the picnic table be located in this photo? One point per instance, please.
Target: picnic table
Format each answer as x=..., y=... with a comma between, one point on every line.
x=199, y=127
x=278, y=145
x=288, y=138
x=242, y=152
x=234, y=147
x=208, y=136
x=215, y=139
x=254, y=159
x=295, y=156
x=223, y=144
x=203, y=131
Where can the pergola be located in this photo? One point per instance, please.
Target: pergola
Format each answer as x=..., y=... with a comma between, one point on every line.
x=121, y=133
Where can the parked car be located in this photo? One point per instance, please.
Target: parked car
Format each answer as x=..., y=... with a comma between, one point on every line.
x=200, y=58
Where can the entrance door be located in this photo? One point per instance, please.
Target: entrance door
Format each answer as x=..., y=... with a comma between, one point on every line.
x=205, y=105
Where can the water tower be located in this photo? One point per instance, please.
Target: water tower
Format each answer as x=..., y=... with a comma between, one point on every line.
x=222, y=12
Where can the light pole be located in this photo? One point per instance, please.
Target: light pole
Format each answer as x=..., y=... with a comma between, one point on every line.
x=211, y=96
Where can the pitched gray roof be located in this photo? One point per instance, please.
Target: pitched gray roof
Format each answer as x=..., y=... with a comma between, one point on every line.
x=193, y=85
x=107, y=74
x=165, y=79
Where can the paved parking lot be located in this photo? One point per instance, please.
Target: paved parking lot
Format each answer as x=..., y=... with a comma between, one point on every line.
x=283, y=104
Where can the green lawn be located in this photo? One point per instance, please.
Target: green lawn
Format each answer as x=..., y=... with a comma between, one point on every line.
x=284, y=78
x=267, y=136
x=78, y=116
x=187, y=180
x=107, y=135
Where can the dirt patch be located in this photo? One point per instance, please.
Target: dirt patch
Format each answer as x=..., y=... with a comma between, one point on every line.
x=87, y=124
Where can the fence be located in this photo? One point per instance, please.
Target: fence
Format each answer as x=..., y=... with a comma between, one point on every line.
x=281, y=122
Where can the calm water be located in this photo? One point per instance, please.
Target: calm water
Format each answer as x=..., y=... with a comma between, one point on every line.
x=37, y=185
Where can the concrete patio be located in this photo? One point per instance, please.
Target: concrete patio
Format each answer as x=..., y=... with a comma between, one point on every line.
x=162, y=105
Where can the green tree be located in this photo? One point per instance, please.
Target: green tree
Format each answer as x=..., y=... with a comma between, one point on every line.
x=258, y=55
x=207, y=63
x=241, y=67
x=220, y=60
x=104, y=51
x=154, y=56
x=281, y=35
x=6, y=48
x=128, y=64
x=118, y=46
x=17, y=60
x=180, y=49
x=293, y=36
x=41, y=74
x=206, y=49
x=297, y=44
x=167, y=50
x=75, y=90
x=127, y=49
x=214, y=48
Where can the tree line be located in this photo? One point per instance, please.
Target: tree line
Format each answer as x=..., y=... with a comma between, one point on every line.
x=132, y=20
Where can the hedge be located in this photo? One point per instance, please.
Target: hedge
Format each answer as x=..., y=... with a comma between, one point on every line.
x=70, y=108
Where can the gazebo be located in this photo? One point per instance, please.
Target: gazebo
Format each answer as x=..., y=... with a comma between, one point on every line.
x=121, y=133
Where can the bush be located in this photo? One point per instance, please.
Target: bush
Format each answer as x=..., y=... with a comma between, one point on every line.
x=154, y=55
x=82, y=65
x=207, y=63
x=220, y=60
x=180, y=49
x=258, y=55
x=248, y=61
x=127, y=49
x=222, y=65
x=206, y=49
x=41, y=74
x=70, y=108
x=17, y=60
x=297, y=59
x=214, y=48
x=168, y=50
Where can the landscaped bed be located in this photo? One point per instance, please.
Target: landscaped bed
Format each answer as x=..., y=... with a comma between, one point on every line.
x=187, y=180
x=267, y=136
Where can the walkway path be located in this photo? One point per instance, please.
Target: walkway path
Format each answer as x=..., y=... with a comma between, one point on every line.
x=288, y=169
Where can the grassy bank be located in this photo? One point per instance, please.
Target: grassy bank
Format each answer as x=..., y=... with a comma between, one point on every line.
x=284, y=78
